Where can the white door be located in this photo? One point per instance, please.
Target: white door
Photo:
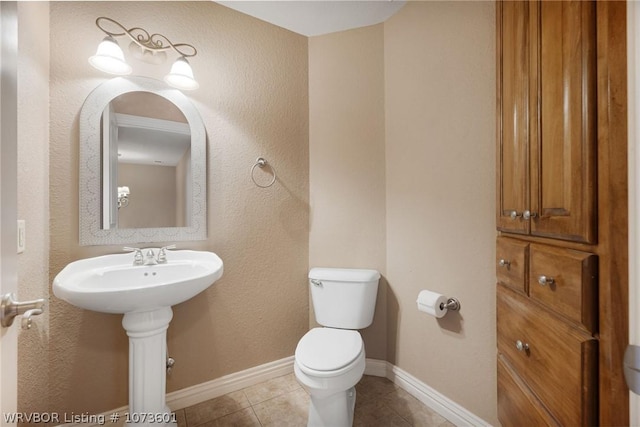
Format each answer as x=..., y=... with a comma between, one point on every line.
x=8, y=201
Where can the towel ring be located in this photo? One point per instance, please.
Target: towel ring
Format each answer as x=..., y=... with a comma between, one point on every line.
x=261, y=163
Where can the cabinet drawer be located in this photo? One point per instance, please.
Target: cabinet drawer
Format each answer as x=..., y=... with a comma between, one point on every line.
x=511, y=263
x=516, y=405
x=559, y=363
x=571, y=282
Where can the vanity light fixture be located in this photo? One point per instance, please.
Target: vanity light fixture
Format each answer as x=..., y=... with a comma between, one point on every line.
x=146, y=47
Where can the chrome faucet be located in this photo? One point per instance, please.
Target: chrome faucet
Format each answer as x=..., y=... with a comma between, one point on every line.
x=138, y=259
x=162, y=254
x=149, y=257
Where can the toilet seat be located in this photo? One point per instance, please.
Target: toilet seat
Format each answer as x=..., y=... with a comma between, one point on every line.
x=328, y=351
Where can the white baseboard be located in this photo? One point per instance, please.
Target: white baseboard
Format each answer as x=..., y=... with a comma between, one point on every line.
x=436, y=401
x=237, y=381
x=229, y=383
x=201, y=392
x=376, y=368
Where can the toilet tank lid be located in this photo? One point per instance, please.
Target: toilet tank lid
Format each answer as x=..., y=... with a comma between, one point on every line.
x=344, y=274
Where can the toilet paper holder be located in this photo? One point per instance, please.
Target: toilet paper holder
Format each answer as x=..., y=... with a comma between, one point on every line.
x=451, y=304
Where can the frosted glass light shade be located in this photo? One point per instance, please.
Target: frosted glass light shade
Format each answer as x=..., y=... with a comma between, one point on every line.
x=181, y=76
x=109, y=58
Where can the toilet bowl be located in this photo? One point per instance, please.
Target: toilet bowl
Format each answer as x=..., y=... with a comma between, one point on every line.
x=330, y=360
x=328, y=364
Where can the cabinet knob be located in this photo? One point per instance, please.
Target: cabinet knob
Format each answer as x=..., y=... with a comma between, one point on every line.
x=522, y=346
x=514, y=215
x=528, y=215
x=546, y=280
x=504, y=263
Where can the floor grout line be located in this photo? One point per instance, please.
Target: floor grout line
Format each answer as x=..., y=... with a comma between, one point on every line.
x=379, y=395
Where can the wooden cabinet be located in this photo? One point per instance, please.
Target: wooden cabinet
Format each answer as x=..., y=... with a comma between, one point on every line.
x=560, y=213
x=546, y=321
x=547, y=119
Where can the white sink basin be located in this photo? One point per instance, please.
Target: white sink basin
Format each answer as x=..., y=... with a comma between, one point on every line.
x=112, y=284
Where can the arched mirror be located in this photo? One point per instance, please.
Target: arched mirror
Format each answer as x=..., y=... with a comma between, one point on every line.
x=142, y=165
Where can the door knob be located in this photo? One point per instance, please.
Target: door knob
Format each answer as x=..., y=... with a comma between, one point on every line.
x=10, y=308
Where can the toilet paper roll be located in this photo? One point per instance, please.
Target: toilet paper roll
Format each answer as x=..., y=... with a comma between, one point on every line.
x=430, y=303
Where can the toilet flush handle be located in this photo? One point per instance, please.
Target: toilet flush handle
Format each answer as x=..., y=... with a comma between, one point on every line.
x=316, y=282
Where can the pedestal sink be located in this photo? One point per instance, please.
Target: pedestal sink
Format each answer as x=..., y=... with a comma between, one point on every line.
x=144, y=294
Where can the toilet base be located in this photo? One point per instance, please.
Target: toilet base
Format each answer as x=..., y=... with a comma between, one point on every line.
x=335, y=410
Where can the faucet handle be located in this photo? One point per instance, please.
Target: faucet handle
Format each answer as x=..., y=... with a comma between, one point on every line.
x=137, y=257
x=162, y=254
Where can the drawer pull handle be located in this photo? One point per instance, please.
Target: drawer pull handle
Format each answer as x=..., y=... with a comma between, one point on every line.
x=545, y=280
x=504, y=263
x=522, y=346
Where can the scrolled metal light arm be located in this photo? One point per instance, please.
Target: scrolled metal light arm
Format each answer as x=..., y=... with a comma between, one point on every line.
x=153, y=42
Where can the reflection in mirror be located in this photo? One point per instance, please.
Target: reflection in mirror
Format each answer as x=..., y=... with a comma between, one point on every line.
x=146, y=156
x=142, y=165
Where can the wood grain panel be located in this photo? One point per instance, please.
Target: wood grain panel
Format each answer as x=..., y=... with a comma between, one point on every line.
x=560, y=366
x=613, y=210
x=574, y=291
x=513, y=116
x=517, y=407
x=514, y=271
x=563, y=183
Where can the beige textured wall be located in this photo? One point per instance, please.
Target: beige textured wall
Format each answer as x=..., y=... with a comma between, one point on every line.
x=440, y=136
x=153, y=198
x=346, y=146
x=402, y=179
x=33, y=199
x=253, y=100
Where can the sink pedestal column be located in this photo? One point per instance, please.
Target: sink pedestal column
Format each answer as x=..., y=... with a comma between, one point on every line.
x=147, y=333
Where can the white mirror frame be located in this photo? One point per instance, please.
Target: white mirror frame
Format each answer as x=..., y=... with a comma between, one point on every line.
x=90, y=186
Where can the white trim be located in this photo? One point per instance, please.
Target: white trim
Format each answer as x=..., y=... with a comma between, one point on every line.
x=436, y=401
x=376, y=368
x=229, y=383
x=211, y=389
x=140, y=122
x=433, y=399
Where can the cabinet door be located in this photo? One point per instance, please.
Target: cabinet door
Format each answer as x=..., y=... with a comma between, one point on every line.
x=556, y=361
x=563, y=142
x=513, y=115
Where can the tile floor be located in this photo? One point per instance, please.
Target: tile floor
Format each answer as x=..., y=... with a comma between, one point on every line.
x=282, y=402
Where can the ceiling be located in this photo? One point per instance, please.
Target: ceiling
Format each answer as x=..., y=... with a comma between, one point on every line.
x=318, y=17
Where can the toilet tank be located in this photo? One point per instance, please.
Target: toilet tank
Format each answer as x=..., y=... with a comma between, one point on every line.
x=344, y=298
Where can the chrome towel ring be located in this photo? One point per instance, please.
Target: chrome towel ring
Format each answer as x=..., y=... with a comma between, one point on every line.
x=261, y=162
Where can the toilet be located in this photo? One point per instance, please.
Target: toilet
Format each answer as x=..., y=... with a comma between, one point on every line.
x=329, y=361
